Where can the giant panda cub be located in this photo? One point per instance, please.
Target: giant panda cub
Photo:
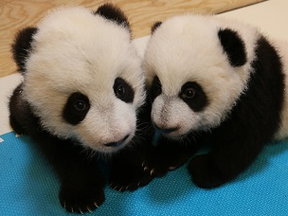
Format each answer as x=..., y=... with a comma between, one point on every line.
x=80, y=99
x=212, y=77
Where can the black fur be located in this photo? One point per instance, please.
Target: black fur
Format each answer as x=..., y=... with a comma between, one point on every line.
x=76, y=108
x=193, y=95
x=82, y=181
x=155, y=89
x=252, y=123
x=155, y=26
x=233, y=46
x=22, y=47
x=123, y=90
x=114, y=14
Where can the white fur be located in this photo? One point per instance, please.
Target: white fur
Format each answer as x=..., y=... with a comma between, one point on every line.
x=282, y=48
x=186, y=48
x=77, y=51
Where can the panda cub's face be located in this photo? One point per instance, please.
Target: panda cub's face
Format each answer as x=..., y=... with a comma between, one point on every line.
x=83, y=79
x=196, y=69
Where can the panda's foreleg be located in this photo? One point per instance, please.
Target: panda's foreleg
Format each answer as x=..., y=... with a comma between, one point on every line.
x=231, y=155
x=208, y=173
x=126, y=169
x=135, y=167
x=19, y=111
x=168, y=155
x=82, y=183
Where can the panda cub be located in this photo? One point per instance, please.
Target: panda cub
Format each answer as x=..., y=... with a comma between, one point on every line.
x=80, y=99
x=212, y=77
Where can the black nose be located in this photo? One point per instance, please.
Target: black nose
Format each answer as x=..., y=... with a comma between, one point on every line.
x=115, y=144
x=166, y=130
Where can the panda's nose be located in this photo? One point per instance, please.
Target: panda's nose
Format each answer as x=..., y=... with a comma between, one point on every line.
x=166, y=130
x=118, y=143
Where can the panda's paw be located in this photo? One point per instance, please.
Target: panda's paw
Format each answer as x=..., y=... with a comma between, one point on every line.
x=16, y=126
x=156, y=168
x=129, y=179
x=204, y=175
x=81, y=201
x=165, y=158
x=159, y=165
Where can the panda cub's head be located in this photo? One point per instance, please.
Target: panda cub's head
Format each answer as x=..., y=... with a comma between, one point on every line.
x=196, y=68
x=82, y=76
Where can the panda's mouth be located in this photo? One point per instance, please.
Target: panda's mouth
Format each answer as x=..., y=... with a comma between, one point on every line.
x=166, y=131
x=117, y=144
x=174, y=133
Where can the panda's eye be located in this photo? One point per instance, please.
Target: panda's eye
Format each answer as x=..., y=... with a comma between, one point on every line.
x=80, y=105
x=194, y=96
x=189, y=93
x=123, y=90
x=120, y=91
x=76, y=108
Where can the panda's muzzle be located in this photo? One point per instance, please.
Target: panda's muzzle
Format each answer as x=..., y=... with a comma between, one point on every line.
x=116, y=144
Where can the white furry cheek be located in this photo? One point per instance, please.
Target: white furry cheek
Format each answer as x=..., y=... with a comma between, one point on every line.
x=189, y=122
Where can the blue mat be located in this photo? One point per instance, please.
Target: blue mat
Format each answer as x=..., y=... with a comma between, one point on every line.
x=29, y=187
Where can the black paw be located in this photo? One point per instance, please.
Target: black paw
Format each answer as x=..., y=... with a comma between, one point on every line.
x=81, y=201
x=129, y=179
x=204, y=175
x=16, y=127
x=164, y=161
x=156, y=168
x=168, y=155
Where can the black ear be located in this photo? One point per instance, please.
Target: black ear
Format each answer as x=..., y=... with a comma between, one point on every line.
x=155, y=26
x=233, y=46
x=22, y=47
x=114, y=14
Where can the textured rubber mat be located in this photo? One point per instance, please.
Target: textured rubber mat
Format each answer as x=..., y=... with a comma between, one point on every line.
x=29, y=187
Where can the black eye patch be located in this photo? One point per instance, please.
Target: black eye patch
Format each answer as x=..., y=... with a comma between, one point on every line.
x=76, y=108
x=194, y=96
x=156, y=88
x=123, y=90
